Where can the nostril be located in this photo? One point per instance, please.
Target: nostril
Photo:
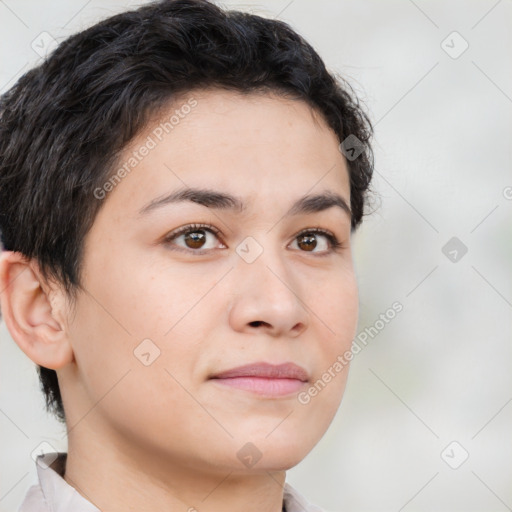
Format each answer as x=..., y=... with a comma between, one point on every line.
x=256, y=323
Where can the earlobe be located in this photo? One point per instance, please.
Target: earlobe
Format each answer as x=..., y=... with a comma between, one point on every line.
x=35, y=321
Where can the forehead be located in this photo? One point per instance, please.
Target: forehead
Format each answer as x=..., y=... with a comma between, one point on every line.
x=255, y=146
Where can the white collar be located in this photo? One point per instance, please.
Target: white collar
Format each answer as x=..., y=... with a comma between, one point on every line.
x=54, y=494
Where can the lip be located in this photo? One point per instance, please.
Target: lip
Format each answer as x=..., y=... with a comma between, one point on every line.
x=264, y=378
x=266, y=371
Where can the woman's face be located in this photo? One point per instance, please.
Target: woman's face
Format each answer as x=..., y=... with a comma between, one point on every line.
x=164, y=312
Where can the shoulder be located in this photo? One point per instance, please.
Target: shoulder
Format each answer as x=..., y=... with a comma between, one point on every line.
x=52, y=493
x=294, y=501
x=34, y=501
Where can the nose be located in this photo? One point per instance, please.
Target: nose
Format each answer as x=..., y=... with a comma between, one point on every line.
x=268, y=298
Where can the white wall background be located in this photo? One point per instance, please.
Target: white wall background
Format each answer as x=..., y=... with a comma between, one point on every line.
x=441, y=370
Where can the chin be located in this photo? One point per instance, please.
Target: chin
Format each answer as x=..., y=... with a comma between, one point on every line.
x=285, y=450
x=272, y=463
x=284, y=462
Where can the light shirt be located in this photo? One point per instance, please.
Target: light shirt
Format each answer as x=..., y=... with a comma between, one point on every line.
x=53, y=494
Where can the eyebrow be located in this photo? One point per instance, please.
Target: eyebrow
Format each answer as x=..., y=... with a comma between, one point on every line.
x=222, y=201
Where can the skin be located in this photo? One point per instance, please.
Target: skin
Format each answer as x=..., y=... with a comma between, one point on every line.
x=165, y=436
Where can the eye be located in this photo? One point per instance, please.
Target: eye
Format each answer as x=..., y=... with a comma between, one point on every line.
x=307, y=240
x=194, y=239
x=194, y=236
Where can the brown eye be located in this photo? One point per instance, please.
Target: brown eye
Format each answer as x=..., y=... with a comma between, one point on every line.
x=307, y=242
x=195, y=239
x=311, y=239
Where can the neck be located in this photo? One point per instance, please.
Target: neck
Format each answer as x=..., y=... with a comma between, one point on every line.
x=123, y=478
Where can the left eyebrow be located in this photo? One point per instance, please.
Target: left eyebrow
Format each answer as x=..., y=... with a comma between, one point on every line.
x=318, y=203
x=222, y=201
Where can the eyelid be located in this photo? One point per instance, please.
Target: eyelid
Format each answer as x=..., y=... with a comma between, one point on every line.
x=336, y=245
x=190, y=228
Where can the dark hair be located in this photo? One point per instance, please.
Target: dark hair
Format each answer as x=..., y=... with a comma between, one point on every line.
x=65, y=122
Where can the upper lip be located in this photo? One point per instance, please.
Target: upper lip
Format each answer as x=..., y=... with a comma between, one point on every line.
x=266, y=370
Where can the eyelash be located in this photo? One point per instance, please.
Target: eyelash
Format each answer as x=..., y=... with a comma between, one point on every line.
x=190, y=228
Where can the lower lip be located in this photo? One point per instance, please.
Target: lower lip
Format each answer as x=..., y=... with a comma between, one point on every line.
x=263, y=386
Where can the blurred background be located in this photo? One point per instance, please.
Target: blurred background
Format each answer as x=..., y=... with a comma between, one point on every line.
x=425, y=422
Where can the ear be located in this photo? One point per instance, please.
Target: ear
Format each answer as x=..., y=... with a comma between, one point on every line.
x=34, y=313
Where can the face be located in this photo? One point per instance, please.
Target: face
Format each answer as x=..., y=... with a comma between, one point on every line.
x=181, y=291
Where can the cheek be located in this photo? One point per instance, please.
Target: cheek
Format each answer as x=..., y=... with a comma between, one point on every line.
x=336, y=310
x=132, y=382
x=339, y=310
x=160, y=299
x=142, y=330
